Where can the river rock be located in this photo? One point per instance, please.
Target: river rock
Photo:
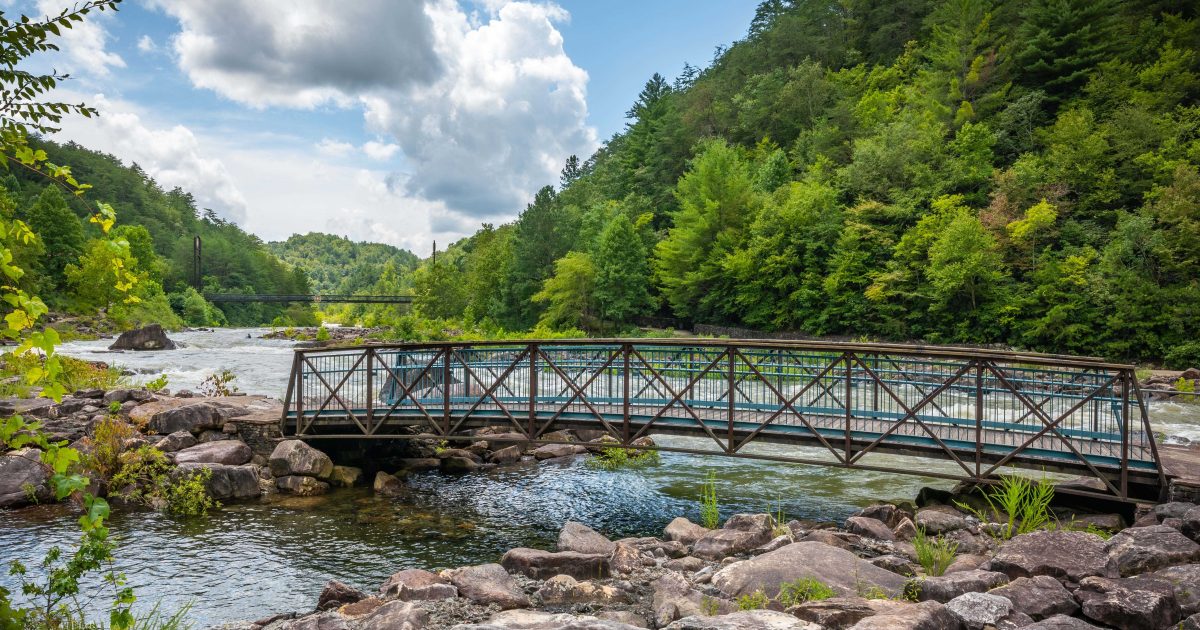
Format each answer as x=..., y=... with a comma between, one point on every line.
x=626, y=558
x=151, y=337
x=454, y=465
x=674, y=597
x=294, y=457
x=388, y=485
x=1136, y=603
x=944, y=588
x=488, y=584
x=895, y=615
x=419, y=463
x=552, y=451
x=1185, y=579
x=741, y=533
x=977, y=610
x=939, y=519
x=744, y=620
x=1190, y=524
x=301, y=485
x=1062, y=622
x=1040, y=597
x=1142, y=549
x=1191, y=623
x=416, y=584
x=318, y=621
x=895, y=564
x=684, y=531
x=227, y=482
x=835, y=612
x=539, y=620
x=1063, y=554
x=448, y=453
x=583, y=539
x=191, y=418
x=506, y=455
x=228, y=452
x=23, y=478
x=395, y=616
x=869, y=528
x=688, y=564
x=843, y=571
x=345, y=476
x=337, y=594
x=1172, y=509
x=176, y=441
x=564, y=589
x=541, y=565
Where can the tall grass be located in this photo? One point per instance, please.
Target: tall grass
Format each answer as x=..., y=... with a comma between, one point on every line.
x=1019, y=504
x=935, y=554
x=710, y=509
x=76, y=374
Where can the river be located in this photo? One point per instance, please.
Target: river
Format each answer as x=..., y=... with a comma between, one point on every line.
x=248, y=560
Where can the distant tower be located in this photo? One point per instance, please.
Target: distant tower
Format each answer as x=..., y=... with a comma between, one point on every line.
x=434, y=261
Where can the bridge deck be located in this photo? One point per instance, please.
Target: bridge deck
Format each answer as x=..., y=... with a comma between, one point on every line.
x=980, y=410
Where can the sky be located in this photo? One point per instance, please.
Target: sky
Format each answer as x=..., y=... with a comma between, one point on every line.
x=395, y=121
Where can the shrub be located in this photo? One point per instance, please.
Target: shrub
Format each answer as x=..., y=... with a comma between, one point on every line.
x=936, y=554
x=219, y=384
x=107, y=444
x=803, y=590
x=1024, y=504
x=322, y=333
x=616, y=458
x=143, y=476
x=188, y=494
x=1183, y=356
x=158, y=384
x=753, y=601
x=710, y=509
x=1184, y=386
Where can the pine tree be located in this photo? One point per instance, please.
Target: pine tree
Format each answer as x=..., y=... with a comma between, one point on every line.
x=1059, y=42
x=60, y=231
x=622, y=272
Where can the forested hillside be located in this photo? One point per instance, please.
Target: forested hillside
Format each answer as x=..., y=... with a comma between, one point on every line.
x=337, y=265
x=1019, y=172
x=159, y=227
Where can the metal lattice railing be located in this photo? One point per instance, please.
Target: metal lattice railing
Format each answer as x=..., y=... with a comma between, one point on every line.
x=981, y=410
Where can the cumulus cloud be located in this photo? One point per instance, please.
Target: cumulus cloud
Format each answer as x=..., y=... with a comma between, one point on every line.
x=334, y=148
x=484, y=109
x=173, y=155
x=83, y=45
x=146, y=44
x=302, y=53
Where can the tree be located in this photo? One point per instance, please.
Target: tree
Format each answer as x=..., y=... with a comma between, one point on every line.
x=568, y=294
x=105, y=273
x=438, y=289
x=1059, y=42
x=141, y=247
x=543, y=234
x=1037, y=221
x=622, y=288
x=60, y=232
x=965, y=271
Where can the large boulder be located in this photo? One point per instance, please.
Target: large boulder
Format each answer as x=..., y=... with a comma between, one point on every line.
x=228, y=452
x=1039, y=597
x=388, y=485
x=563, y=590
x=908, y=616
x=488, y=584
x=744, y=620
x=939, y=519
x=674, y=598
x=1063, y=554
x=869, y=528
x=1190, y=523
x=1142, y=549
x=395, y=616
x=554, y=451
x=416, y=584
x=979, y=610
x=741, y=533
x=835, y=612
x=1062, y=622
x=337, y=594
x=23, y=478
x=541, y=565
x=684, y=531
x=345, y=476
x=191, y=418
x=944, y=588
x=294, y=457
x=1136, y=603
x=151, y=337
x=539, y=620
x=1185, y=579
x=841, y=570
x=176, y=441
x=583, y=539
x=228, y=482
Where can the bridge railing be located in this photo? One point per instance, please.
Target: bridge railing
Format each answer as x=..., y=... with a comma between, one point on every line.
x=982, y=410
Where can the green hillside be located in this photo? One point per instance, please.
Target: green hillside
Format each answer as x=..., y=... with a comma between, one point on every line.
x=1023, y=173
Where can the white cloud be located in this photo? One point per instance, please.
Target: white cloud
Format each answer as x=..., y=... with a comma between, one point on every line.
x=146, y=44
x=380, y=151
x=83, y=46
x=484, y=109
x=173, y=155
x=334, y=148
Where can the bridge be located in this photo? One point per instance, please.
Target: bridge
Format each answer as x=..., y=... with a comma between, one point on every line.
x=233, y=298
x=820, y=403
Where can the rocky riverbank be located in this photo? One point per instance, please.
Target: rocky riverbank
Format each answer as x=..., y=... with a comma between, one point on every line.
x=755, y=572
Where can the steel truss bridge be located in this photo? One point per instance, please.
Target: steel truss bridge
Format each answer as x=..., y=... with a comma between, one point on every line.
x=233, y=298
x=849, y=405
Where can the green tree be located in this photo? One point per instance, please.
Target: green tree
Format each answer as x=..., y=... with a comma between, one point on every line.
x=965, y=272
x=1025, y=232
x=569, y=293
x=622, y=273
x=1059, y=42
x=60, y=232
x=105, y=273
x=438, y=289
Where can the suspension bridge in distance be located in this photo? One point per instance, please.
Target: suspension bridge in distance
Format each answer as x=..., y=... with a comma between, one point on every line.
x=849, y=405
x=246, y=298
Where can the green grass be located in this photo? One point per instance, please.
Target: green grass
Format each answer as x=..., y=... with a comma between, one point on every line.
x=935, y=554
x=754, y=601
x=710, y=509
x=803, y=590
x=1021, y=505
